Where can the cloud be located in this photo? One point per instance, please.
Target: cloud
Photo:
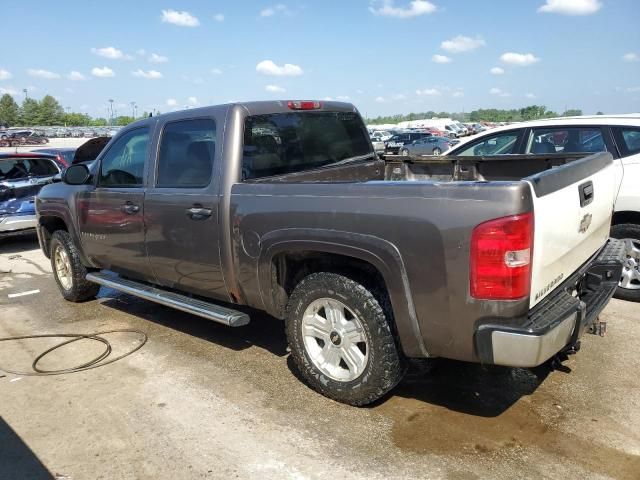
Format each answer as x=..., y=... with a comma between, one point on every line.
x=380, y=99
x=75, y=76
x=39, y=73
x=216, y=71
x=430, y=92
x=398, y=96
x=181, y=19
x=457, y=94
x=462, y=44
x=5, y=74
x=440, y=59
x=111, y=53
x=415, y=8
x=218, y=17
x=529, y=95
x=631, y=57
x=497, y=71
x=150, y=75
x=8, y=91
x=519, y=59
x=571, y=7
x=155, y=58
x=171, y=102
x=192, y=101
x=500, y=93
x=274, y=89
x=267, y=67
x=271, y=11
x=343, y=98
x=103, y=72
x=141, y=52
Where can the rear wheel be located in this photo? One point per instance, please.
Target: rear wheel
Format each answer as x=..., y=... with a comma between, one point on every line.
x=341, y=339
x=629, y=286
x=68, y=269
x=437, y=151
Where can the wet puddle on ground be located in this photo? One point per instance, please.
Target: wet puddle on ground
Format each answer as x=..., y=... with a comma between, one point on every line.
x=465, y=410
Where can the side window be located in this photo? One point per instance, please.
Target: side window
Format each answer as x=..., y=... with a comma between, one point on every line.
x=628, y=140
x=503, y=143
x=565, y=140
x=186, y=155
x=123, y=164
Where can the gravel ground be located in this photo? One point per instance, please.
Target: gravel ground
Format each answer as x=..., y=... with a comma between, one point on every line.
x=201, y=400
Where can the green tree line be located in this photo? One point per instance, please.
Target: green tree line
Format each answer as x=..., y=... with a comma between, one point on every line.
x=531, y=112
x=48, y=111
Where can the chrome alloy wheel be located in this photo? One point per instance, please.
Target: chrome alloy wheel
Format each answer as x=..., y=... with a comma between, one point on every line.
x=631, y=267
x=335, y=339
x=63, y=268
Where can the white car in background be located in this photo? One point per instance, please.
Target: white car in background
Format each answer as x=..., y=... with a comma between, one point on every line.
x=617, y=134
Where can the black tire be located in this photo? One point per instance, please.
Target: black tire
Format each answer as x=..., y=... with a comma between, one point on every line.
x=627, y=231
x=80, y=289
x=385, y=365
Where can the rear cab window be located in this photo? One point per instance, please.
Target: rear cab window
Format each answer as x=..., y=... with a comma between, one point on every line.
x=503, y=143
x=281, y=143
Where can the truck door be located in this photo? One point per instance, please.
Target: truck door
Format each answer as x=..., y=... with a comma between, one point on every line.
x=110, y=215
x=181, y=210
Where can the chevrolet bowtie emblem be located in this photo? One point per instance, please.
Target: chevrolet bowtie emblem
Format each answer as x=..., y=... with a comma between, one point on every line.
x=585, y=223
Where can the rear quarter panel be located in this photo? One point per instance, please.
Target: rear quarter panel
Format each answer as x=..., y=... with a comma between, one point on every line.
x=429, y=225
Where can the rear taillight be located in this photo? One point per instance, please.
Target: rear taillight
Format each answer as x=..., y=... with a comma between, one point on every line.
x=304, y=105
x=500, y=259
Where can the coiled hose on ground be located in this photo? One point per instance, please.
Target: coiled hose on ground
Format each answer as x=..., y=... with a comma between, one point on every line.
x=95, y=363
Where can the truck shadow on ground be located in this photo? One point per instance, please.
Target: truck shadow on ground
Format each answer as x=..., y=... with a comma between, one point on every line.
x=17, y=460
x=263, y=331
x=18, y=243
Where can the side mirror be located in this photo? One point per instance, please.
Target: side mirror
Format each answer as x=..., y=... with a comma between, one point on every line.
x=76, y=175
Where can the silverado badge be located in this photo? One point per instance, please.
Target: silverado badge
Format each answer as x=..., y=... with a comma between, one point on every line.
x=585, y=223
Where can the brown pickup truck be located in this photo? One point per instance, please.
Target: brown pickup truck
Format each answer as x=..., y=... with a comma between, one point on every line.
x=284, y=207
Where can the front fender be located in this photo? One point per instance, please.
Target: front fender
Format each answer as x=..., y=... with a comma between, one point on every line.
x=380, y=253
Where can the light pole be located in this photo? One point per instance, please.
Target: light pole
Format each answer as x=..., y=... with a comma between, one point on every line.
x=68, y=109
x=133, y=109
x=26, y=94
x=111, y=110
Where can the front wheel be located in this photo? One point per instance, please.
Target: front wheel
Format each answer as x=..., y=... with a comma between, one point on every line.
x=404, y=152
x=437, y=151
x=68, y=269
x=629, y=286
x=341, y=339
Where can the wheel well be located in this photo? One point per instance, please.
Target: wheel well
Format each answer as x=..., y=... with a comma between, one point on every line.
x=49, y=226
x=289, y=268
x=626, y=217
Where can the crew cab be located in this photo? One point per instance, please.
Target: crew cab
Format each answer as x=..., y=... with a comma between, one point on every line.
x=284, y=207
x=617, y=134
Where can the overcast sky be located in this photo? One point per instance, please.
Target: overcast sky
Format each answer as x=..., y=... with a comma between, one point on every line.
x=384, y=56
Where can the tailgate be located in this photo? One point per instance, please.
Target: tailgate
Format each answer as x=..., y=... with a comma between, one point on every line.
x=573, y=205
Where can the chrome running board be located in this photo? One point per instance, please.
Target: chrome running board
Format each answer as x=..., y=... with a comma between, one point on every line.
x=210, y=311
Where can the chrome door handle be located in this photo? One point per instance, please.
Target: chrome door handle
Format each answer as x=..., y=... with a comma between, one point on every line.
x=129, y=208
x=198, y=213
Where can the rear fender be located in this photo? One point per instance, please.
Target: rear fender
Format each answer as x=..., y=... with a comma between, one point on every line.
x=379, y=253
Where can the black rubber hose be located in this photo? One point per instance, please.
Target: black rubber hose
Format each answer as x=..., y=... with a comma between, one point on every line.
x=74, y=337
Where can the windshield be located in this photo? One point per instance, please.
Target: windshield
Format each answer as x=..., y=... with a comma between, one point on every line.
x=283, y=143
x=20, y=168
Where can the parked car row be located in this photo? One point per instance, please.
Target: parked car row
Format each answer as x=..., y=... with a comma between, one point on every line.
x=41, y=135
